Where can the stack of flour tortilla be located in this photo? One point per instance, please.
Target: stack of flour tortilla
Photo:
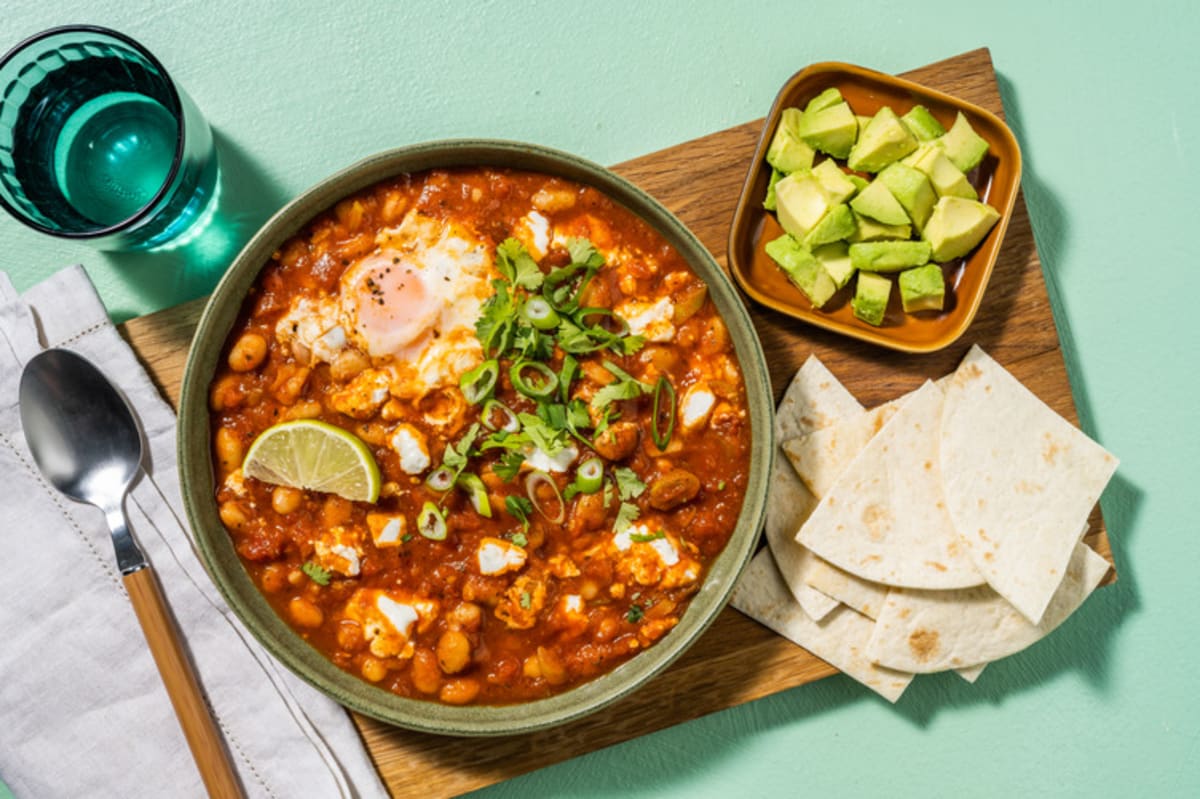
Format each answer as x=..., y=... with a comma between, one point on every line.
x=939, y=531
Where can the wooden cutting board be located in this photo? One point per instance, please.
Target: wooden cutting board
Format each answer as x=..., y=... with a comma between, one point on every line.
x=737, y=660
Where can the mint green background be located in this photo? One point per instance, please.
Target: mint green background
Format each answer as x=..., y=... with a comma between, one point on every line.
x=1103, y=99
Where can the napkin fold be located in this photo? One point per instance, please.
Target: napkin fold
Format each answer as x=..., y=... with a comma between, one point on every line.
x=82, y=708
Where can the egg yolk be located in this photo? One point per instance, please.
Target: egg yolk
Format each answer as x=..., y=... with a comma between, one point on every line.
x=389, y=303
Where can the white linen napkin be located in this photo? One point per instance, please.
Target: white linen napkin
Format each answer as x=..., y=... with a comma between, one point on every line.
x=82, y=709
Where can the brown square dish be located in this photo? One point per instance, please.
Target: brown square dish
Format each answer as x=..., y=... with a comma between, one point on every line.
x=996, y=180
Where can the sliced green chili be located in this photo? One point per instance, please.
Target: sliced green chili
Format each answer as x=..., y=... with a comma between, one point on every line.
x=538, y=388
x=494, y=406
x=440, y=479
x=479, y=383
x=664, y=405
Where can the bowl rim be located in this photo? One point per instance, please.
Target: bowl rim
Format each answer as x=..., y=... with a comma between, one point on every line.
x=213, y=542
x=746, y=207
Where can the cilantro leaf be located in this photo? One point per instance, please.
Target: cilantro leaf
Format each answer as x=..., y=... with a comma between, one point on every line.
x=541, y=435
x=526, y=600
x=532, y=343
x=317, y=574
x=627, y=514
x=517, y=265
x=635, y=614
x=519, y=507
x=509, y=464
x=494, y=326
x=629, y=486
x=583, y=252
x=519, y=539
x=456, y=455
x=625, y=387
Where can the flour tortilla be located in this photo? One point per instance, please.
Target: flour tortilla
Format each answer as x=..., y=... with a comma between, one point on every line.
x=865, y=597
x=821, y=456
x=884, y=519
x=788, y=504
x=840, y=640
x=813, y=400
x=927, y=631
x=1019, y=481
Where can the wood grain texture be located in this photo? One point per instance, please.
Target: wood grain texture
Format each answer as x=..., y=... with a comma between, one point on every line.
x=737, y=660
x=179, y=678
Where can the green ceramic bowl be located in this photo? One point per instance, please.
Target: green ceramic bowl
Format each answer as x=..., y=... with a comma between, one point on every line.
x=195, y=460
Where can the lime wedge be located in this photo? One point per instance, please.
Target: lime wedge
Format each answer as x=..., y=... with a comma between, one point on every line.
x=316, y=456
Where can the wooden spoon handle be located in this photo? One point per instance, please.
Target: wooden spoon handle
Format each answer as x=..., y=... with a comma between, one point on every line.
x=208, y=748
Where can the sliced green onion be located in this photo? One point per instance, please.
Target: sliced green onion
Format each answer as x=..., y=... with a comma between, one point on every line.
x=536, y=478
x=664, y=405
x=538, y=388
x=493, y=406
x=431, y=523
x=538, y=313
x=478, y=383
x=589, y=477
x=477, y=493
x=440, y=479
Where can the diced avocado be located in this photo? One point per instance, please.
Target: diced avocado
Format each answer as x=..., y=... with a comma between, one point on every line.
x=788, y=152
x=956, y=227
x=922, y=289
x=831, y=130
x=776, y=176
x=912, y=189
x=947, y=179
x=863, y=121
x=922, y=124
x=830, y=97
x=871, y=298
x=884, y=140
x=802, y=269
x=888, y=256
x=837, y=183
x=800, y=203
x=964, y=147
x=870, y=230
x=878, y=202
x=835, y=260
x=837, y=224
x=859, y=182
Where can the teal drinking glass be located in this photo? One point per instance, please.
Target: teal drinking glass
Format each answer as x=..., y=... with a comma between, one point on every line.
x=98, y=144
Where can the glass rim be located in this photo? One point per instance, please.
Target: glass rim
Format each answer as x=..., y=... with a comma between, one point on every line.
x=139, y=216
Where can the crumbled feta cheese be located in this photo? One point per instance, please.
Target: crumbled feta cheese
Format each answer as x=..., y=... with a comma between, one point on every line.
x=386, y=529
x=410, y=446
x=537, y=234
x=497, y=556
x=331, y=342
x=401, y=616
x=337, y=550
x=651, y=320
x=695, y=406
x=573, y=603
x=666, y=551
x=558, y=462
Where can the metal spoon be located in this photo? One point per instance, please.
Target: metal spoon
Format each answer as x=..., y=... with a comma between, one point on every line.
x=87, y=443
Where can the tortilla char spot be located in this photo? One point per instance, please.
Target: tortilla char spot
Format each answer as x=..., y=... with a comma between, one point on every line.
x=983, y=536
x=878, y=520
x=989, y=557
x=905, y=613
x=939, y=566
x=1051, y=449
x=923, y=643
x=1026, y=487
x=928, y=465
x=953, y=549
x=982, y=503
x=871, y=559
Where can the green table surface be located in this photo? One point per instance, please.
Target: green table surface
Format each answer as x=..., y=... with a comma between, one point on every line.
x=1102, y=98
